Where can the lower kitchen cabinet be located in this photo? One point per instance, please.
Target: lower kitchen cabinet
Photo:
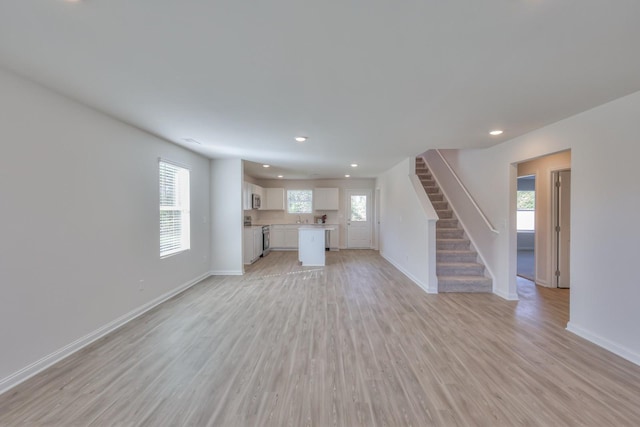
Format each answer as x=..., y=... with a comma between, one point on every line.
x=277, y=237
x=252, y=244
x=284, y=236
x=291, y=237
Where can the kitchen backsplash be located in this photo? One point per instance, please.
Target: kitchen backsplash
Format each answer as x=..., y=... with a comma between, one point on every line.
x=282, y=217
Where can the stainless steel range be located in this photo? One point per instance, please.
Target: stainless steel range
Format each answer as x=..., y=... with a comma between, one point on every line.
x=266, y=244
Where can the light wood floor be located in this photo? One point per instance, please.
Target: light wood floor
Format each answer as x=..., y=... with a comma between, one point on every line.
x=351, y=344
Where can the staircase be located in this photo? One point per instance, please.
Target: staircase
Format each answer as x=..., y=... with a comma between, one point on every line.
x=457, y=265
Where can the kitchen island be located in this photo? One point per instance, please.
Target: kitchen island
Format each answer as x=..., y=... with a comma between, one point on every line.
x=311, y=244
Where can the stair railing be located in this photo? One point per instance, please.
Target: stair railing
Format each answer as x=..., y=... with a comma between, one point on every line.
x=477, y=208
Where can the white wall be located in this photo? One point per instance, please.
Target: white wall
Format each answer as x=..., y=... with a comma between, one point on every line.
x=605, y=286
x=226, y=217
x=333, y=217
x=405, y=226
x=80, y=225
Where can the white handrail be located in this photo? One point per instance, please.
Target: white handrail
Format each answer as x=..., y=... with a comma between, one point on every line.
x=466, y=192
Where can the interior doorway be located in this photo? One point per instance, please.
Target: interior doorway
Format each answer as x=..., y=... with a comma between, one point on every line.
x=526, y=226
x=538, y=243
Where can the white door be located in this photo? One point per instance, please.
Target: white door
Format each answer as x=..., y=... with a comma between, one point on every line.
x=359, y=219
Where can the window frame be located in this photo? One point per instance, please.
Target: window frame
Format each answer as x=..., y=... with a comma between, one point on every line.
x=180, y=179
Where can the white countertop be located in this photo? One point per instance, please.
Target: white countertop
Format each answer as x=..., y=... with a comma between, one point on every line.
x=292, y=223
x=317, y=227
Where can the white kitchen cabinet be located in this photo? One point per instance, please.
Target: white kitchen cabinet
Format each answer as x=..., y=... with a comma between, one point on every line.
x=256, y=189
x=284, y=236
x=252, y=244
x=334, y=238
x=312, y=245
x=291, y=238
x=326, y=199
x=277, y=237
x=257, y=243
x=273, y=199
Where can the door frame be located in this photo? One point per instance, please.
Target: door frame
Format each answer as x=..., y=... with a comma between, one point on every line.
x=554, y=234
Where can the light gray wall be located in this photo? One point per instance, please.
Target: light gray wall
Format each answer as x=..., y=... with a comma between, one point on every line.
x=404, y=226
x=605, y=288
x=80, y=224
x=226, y=217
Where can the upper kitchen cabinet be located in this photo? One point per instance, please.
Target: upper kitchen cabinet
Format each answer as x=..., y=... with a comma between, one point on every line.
x=273, y=199
x=325, y=199
x=248, y=190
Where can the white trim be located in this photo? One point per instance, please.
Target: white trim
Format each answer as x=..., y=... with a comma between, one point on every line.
x=415, y=280
x=614, y=348
x=226, y=273
x=505, y=295
x=66, y=351
x=543, y=283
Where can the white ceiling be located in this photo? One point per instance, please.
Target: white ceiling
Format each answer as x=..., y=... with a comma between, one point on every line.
x=370, y=81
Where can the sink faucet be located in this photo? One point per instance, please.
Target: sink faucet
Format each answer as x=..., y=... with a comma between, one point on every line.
x=299, y=220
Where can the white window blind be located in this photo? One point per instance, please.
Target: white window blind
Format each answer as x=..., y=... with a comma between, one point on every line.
x=175, y=215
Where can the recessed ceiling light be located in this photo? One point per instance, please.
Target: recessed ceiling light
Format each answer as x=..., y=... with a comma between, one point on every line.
x=354, y=165
x=266, y=166
x=301, y=138
x=496, y=132
x=347, y=176
x=280, y=176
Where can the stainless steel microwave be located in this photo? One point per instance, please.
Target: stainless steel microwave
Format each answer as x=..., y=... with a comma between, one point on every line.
x=255, y=201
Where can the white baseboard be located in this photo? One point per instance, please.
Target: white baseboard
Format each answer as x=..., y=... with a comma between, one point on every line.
x=42, y=364
x=544, y=283
x=414, y=279
x=506, y=295
x=226, y=273
x=614, y=348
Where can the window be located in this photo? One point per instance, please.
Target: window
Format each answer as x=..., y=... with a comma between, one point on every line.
x=526, y=214
x=175, y=215
x=358, y=208
x=299, y=201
